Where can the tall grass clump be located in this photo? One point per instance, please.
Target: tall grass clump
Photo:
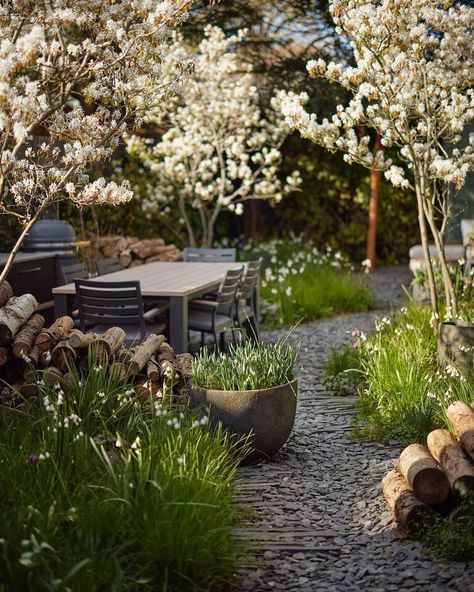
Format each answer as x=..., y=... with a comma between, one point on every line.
x=302, y=282
x=246, y=366
x=405, y=393
x=399, y=363
x=100, y=491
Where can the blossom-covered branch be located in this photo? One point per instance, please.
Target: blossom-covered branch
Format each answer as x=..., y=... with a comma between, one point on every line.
x=74, y=75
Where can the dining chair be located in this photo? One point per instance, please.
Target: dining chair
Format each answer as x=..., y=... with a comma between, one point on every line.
x=72, y=272
x=109, y=265
x=246, y=314
x=117, y=304
x=216, y=317
x=195, y=255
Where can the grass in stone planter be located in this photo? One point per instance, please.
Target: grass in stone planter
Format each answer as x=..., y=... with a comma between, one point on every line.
x=98, y=493
x=247, y=366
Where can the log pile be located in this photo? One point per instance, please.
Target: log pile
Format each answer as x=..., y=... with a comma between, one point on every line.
x=30, y=351
x=133, y=252
x=435, y=477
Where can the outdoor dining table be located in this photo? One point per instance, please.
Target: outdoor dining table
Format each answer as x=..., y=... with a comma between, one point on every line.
x=178, y=282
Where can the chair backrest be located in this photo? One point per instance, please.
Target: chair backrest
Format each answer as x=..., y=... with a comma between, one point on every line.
x=110, y=303
x=109, y=265
x=228, y=291
x=190, y=254
x=72, y=272
x=248, y=283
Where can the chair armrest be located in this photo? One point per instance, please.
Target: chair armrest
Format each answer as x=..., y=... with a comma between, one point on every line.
x=203, y=304
x=151, y=314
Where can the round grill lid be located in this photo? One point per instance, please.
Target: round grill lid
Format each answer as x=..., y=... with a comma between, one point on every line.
x=50, y=231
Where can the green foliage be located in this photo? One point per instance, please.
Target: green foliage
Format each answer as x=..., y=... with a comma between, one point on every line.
x=304, y=283
x=450, y=538
x=405, y=394
x=342, y=371
x=101, y=492
x=247, y=366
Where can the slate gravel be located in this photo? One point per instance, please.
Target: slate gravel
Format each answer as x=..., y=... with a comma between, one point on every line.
x=320, y=521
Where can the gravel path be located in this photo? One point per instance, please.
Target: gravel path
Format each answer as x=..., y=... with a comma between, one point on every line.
x=320, y=521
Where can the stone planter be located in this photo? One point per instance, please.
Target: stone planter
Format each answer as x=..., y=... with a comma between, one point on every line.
x=266, y=416
x=456, y=345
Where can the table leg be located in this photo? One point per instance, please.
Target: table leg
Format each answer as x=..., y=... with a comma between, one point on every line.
x=178, y=328
x=61, y=305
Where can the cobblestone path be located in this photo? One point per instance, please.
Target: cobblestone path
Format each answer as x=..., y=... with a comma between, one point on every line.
x=320, y=522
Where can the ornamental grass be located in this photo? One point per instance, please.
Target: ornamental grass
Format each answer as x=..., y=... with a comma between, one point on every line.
x=101, y=492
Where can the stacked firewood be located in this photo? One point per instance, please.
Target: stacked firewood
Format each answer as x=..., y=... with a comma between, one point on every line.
x=435, y=477
x=28, y=346
x=133, y=252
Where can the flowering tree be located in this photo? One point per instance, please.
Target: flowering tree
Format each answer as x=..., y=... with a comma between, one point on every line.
x=75, y=73
x=219, y=149
x=412, y=83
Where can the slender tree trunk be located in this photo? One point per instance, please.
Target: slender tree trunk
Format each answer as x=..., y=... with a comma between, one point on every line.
x=182, y=211
x=371, y=253
x=11, y=258
x=450, y=296
x=426, y=250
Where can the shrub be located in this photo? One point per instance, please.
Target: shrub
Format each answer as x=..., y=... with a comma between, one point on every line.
x=247, y=366
x=101, y=492
x=342, y=371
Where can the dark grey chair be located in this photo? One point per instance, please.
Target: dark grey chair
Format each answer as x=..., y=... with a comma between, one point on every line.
x=75, y=271
x=246, y=305
x=191, y=254
x=109, y=265
x=117, y=304
x=216, y=316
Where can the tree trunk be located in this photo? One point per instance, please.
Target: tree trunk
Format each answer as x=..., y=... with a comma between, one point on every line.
x=24, y=339
x=6, y=292
x=14, y=314
x=144, y=352
x=48, y=338
x=450, y=297
x=427, y=481
x=462, y=417
x=375, y=175
x=426, y=252
x=401, y=500
x=445, y=449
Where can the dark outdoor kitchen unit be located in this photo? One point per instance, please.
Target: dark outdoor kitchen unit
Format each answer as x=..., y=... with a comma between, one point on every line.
x=36, y=270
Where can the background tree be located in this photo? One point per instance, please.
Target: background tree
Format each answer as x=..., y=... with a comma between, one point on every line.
x=412, y=83
x=220, y=149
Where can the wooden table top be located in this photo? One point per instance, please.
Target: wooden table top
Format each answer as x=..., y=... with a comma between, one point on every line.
x=166, y=278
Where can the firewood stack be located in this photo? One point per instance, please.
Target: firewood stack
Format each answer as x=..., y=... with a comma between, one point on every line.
x=133, y=252
x=435, y=477
x=27, y=346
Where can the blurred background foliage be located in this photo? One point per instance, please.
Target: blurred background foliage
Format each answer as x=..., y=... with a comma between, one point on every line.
x=332, y=206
